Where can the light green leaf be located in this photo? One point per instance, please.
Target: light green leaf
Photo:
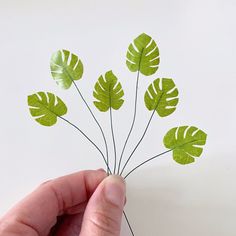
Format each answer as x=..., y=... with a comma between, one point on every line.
x=186, y=142
x=108, y=92
x=46, y=107
x=65, y=67
x=161, y=96
x=143, y=55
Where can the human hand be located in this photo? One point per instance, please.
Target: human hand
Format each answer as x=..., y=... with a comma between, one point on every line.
x=86, y=203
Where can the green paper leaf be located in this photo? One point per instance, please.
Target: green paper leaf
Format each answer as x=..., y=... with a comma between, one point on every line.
x=108, y=92
x=161, y=96
x=143, y=55
x=186, y=142
x=46, y=107
x=65, y=67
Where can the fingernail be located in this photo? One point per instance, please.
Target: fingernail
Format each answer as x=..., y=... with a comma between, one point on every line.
x=125, y=200
x=115, y=190
x=101, y=169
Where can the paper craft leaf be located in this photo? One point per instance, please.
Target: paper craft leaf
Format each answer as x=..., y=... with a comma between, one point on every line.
x=65, y=67
x=161, y=96
x=108, y=92
x=186, y=142
x=46, y=107
x=143, y=55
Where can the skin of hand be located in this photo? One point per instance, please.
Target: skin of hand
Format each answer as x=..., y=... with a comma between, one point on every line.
x=87, y=203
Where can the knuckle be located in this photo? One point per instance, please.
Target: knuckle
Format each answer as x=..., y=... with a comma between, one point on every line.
x=105, y=223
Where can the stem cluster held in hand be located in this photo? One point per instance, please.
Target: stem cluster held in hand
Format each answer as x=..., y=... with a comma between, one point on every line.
x=161, y=99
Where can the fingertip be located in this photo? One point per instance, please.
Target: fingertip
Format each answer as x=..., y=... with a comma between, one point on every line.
x=104, y=210
x=115, y=190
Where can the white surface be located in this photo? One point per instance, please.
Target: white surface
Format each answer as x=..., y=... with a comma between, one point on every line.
x=197, y=46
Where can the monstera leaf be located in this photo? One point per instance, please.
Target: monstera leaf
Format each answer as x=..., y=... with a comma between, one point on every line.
x=65, y=67
x=46, y=107
x=186, y=142
x=161, y=96
x=108, y=92
x=143, y=55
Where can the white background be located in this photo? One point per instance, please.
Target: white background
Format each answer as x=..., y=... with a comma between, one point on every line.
x=197, y=46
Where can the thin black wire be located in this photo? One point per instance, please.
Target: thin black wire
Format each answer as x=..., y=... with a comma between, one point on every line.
x=113, y=139
x=140, y=140
x=104, y=138
x=95, y=119
x=146, y=162
x=127, y=220
x=109, y=171
x=76, y=127
x=157, y=156
x=134, y=118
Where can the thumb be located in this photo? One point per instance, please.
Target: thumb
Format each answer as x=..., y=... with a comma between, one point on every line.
x=103, y=214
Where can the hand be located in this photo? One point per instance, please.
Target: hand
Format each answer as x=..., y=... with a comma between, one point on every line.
x=86, y=203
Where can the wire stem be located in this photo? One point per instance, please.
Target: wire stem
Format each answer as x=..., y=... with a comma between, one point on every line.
x=94, y=144
x=95, y=119
x=133, y=121
x=113, y=139
x=129, y=225
x=140, y=140
x=150, y=159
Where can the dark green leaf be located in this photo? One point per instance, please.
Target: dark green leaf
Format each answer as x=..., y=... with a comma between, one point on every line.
x=161, y=96
x=46, y=107
x=186, y=142
x=108, y=92
x=65, y=67
x=143, y=55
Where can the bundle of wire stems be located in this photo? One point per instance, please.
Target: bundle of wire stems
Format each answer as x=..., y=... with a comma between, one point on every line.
x=117, y=169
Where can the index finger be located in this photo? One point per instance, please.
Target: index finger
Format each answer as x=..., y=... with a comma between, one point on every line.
x=39, y=210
